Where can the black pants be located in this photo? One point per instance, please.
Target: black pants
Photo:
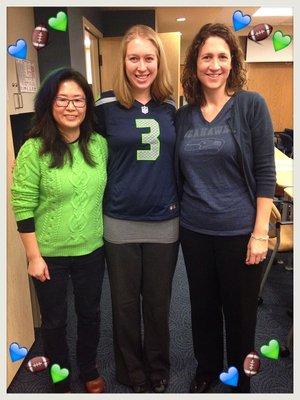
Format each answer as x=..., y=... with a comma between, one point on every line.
x=221, y=286
x=141, y=270
x=87, y=275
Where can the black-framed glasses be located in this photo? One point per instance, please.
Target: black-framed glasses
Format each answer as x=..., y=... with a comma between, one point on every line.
x=63, y=102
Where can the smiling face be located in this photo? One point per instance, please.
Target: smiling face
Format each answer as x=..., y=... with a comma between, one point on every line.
x=141, y=64
x=69, y=119
x=213, y=64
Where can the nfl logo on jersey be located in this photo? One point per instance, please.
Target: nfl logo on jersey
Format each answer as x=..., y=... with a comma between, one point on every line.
x=145, y=110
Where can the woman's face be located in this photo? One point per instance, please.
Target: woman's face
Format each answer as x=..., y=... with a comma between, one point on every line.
x=141, y=64
x=69, y=118
x=214, y=63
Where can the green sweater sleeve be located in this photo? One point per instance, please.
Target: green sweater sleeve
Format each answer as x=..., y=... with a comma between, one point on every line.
x=26, y=180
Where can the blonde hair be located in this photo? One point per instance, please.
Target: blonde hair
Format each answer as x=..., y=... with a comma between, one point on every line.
x=161, y=88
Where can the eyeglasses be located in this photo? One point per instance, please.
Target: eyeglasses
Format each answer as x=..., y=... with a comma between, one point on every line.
x=62, y=102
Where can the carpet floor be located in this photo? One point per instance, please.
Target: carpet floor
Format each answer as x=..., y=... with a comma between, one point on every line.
x=275, y=376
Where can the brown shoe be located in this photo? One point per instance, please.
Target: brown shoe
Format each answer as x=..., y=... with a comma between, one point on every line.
x=96, y=385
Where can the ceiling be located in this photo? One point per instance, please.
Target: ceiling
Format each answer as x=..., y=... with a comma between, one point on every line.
x=198, y=16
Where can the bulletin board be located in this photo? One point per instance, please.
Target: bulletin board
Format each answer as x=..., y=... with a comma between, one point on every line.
x=26, y=75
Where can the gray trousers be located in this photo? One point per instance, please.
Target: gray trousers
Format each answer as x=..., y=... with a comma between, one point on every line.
x=141, y=275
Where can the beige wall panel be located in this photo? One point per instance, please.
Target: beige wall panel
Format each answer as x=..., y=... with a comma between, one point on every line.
x=274, y=81
x=19, y=314
x=20, y=23
x=171, y=43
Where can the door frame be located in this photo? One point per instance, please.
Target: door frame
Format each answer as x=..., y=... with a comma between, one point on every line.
x=88, y=26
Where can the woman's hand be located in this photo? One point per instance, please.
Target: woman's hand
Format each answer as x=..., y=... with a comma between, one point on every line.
x=256, y=251
x=38, y=268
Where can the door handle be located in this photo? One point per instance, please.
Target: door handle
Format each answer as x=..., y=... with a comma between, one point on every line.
x=20, y=98
x=16, y=101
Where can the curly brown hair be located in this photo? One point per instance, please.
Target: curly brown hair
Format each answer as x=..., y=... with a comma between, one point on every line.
x=237, y=78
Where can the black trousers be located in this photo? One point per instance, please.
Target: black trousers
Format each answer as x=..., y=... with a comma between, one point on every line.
x=221, y=286
x=141, y=271
x=87, y=276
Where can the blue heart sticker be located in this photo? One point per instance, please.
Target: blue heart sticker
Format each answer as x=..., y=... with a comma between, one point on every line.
x=231, y=377
x=16, y=352
x=18, y=50
x=240, y=20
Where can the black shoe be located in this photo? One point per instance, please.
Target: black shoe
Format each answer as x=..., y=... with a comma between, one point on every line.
x=141, y=388
x=160, y=385
x=201, y=384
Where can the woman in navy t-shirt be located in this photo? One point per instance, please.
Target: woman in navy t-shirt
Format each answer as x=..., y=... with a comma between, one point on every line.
x=226, y=177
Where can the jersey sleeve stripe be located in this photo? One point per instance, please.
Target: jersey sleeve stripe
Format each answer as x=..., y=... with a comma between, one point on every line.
x=105, y=100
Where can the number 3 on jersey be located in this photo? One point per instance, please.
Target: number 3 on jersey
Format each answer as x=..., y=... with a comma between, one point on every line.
x=151, y=138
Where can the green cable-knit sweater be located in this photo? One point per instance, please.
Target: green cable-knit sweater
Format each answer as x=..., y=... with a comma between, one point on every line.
x=66, y=203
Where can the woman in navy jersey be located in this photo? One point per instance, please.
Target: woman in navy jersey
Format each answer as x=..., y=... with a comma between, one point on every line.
x=226, y=177
x=140, y=209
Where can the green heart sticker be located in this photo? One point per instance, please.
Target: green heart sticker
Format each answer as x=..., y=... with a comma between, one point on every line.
x=58, y=374
x=281, y=41
x=271, y=350
x=60, y=22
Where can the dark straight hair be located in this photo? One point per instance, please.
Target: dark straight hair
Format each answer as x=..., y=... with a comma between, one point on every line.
x=44, y=125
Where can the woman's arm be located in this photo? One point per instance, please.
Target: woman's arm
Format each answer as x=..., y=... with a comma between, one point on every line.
x=36, y=264
x=25, y=198
x=258, y=248
x=263, y=149
x=265, y=177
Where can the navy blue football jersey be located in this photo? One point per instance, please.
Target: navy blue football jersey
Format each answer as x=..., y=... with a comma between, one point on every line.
x=141, y=142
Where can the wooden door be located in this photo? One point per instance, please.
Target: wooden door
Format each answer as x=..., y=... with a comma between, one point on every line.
x=109, y=52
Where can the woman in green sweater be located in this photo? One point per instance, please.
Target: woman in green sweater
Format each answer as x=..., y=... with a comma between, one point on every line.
x=57, y=192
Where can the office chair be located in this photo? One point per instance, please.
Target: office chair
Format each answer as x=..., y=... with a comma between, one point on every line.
x=280, y=240
x=284, y=142
x=290, y=132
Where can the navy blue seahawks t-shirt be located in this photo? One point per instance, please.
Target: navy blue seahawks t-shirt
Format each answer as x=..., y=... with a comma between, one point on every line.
x=215, y=198
x=141, y=140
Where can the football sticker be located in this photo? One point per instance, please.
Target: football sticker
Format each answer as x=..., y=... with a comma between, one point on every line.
x=40, y=37
x=260, y=32
x=38, y=363
x=252, y=364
